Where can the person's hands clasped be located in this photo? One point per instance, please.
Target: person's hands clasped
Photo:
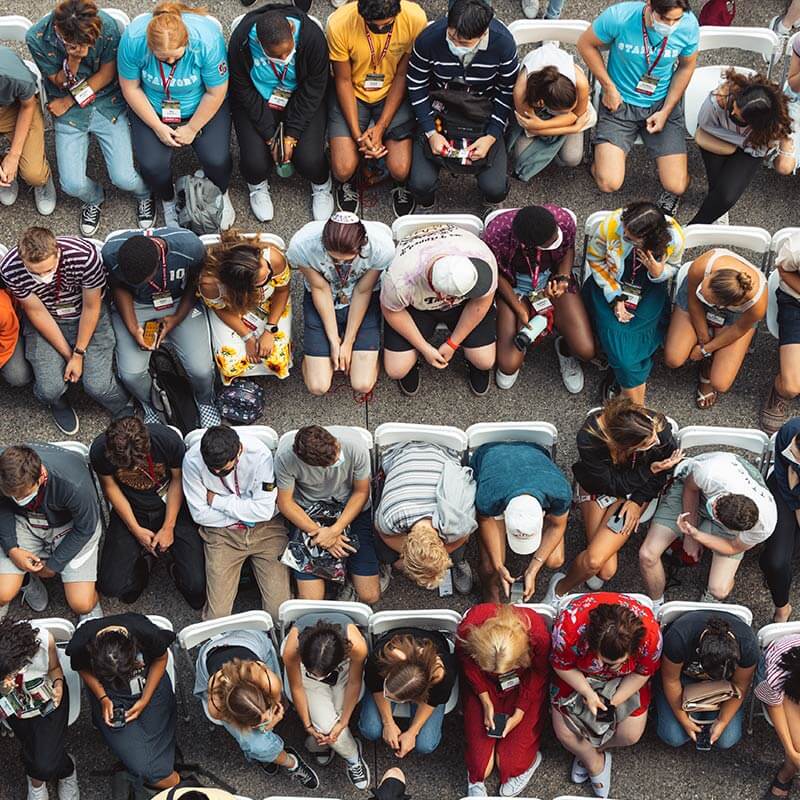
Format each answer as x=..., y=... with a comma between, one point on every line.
x=446, y=351
x=370, y=143
x=163, y=539
x=74, y=369
x=184, y=134
x=434, y=357
x=145, y=538
x=265, y=344
x=391, y=734
x=621, y=313
x=668, y=463
x=251, y=350
x=407, y=742
x=166, y=135
x=345, y=356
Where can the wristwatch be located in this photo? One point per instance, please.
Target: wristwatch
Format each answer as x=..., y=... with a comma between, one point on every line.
x=705, y=352
x=78, y=351
x=271, y=328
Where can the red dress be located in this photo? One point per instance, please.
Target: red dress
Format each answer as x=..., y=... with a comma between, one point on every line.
x=571, y=651
x=517, y=751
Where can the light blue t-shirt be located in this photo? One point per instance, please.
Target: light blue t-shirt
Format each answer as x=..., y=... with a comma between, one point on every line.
x=263, y=75
x=306, y=250
x=620, y=27
x=204, y=64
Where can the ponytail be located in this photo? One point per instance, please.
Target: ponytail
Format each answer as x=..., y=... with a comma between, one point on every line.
x=167, y=30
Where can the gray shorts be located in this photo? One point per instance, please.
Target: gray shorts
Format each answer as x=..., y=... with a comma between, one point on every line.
x=43, y=541
x=621, y=127
x=401, y=127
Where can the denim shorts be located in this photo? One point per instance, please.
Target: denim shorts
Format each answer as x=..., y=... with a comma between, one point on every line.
x=788, y=318
x=315, y=340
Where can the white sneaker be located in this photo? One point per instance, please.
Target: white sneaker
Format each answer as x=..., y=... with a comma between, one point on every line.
x=37, y=793
x=476, y=789
x=530, y=8
x=322, y=204
x=170, y=209
x=595, y=583
x=462, y=577
x=34, y=593
x=45, y=198
x=657, y=606
x=550, y=597
x=95, y=613
x=228, y=213
x=504, y=381
x=571, y=370
x=725, y=219
x=260, y=201
x=68, y=787
x=9, y=194
x=513, y=786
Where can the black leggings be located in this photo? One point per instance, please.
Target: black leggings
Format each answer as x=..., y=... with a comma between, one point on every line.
x=779, y=549
x=212, y=146
x=728, y=178
x=255, y=159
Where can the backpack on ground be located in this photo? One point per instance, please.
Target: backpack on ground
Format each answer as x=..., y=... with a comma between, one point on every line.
x=172, y=393
x=242, y=402
x=199, y=204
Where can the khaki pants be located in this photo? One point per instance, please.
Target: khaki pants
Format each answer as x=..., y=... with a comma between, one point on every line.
x=33, y=166
x=227, y=549
x=325, y=704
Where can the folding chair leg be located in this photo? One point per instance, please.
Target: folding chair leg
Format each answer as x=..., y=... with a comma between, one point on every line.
x=751, y=713
x=183, y=703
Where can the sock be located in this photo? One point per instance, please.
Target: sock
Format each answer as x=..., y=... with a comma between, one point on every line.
x=353, y=759
x=296, y=763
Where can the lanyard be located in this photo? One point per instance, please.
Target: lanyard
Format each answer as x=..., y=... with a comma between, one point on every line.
x=280, y=76
x=343, y=278
x=534, y=273
x=151, y=469
x=235, y=481
x=37, y=501
x=376, y=64
x=646, y=44
x=162, y=250
x=58, y=280
x=165, y=82
x=71, y=77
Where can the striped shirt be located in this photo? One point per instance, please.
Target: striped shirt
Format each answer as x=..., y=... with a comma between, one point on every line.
x=413, y=470
x=79, y=268
x=770, y=690
x=491, y=72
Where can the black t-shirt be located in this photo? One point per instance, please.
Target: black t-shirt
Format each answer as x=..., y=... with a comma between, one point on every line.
x=682, y=639
x=153, y=641
x=141, y=489
x=440, y=693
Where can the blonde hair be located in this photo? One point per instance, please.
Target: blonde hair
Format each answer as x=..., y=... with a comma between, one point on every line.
x=408, y=667
x=730, y=286
x=237, y=696
x=624, y=425
x=167, y=30
x=425, y=556
x=500, y=644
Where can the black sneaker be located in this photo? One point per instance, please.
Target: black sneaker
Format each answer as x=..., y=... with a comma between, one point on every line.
x=409, y=383
x=90, y=219
x=478, y=380
x=302, y=773
x=359, y=771
x=270, y=767
x=65, y=418
x=347, y=197
x=609, y=388
x=668, y=203
x=146, y=212
x=403, y=201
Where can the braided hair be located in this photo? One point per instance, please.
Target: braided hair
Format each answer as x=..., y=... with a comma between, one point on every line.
x=18, y=645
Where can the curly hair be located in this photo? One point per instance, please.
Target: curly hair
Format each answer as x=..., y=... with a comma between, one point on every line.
x=425, y=555
x=614, y=631
x=127, y=443
x=315, y=446
x=409, y=678
x=18, y=645
x=625, y=426
x=737, y=512
x=78, y=22
x=238, y=697
x=501, y=643
x=762, y=105
x=646, y=221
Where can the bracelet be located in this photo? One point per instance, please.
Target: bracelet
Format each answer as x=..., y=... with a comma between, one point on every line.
x=705, y=352
x=536, y=558
x=55, y=680
x=428, y=134
x=562, y=278
x=78, y=351
x=247, y=337
x=104, y=697
x=451, y=343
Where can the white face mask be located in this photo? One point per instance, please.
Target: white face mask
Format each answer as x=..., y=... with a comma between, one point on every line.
x=458, y=51
x=29, y=498
x=559, y=240
x=283, y=62
x=789, y=455
x=47, y=277
x=339, y=461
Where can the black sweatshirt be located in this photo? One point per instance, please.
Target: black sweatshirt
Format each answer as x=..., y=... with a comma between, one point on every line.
x=312, y=66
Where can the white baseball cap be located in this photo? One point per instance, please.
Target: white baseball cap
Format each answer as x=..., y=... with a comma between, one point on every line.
x=461, y=276
x=524, y=517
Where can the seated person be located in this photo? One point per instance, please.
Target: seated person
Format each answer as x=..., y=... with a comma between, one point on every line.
x=599, y=639
x=154, y=280
x=139, y=467
x=59, y=284
x=279, y=77
x=535, y=251
x=75, y=48
x=442, y=274
x=237, y=681
x=50, y=525
x=462, y=70
x=717, y=309
x=122, y=660
x=422, y=531
x=229, y=485
x=324, y=655
x=29, y=654
x=341, y=261
x=175, y=101
x=14, y=369
x=652, y=53
x=719, y=501
x=520, y=490
x=323, y=479
x=369, y=115
x=552, y=109
x=705, y=646
x=245, y=282
x=503, y=652
x=408, y=665
x=21, y=120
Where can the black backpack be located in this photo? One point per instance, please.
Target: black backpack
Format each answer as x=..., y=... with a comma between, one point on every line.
x=172, y=393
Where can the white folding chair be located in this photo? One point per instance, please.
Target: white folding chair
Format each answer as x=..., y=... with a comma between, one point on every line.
x=746, y=237
x=410, y=223
x=291, y=610
x=119, y=16
x=14, y=28
x=675, y=609
x=772, y=302
x=62, y=631
x=236, y=21
x=391, y=433
x=294, y=797
x=444, y=620
x=263, y=433
x=778, y=238
x=363, y=433
x=542, y=433
x=544, y=610
x=563, y=31
x=643, y=599
x=498, y=211
x=166, y=625
x=750, y=439
x=590, y=227
x=787, y=61
x=3, y=250
x=497, y=797
x=209, y=239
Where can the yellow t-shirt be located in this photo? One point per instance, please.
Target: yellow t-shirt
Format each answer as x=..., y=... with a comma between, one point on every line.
x=347, y=41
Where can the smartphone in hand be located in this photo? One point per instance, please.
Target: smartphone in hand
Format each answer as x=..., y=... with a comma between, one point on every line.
x=703, y=739
x=616, y=523
x=500, y=721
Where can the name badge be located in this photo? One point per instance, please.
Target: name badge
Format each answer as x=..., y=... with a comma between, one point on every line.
x=66, y=308
x=254, y=318
x=279, y=99
x=162, y=300
x=162, y=491
x=170, y=112
x=374, y=81
x=715, y=320
x=137, y=685
x=508, y=680
x=37, y=520
x=604, y=500
x=342, y=299
x=633, y=294
x=82, y=93
x=647, y=85
x=539, y=302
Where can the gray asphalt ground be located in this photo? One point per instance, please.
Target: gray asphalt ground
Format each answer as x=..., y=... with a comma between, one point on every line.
x=647, y=771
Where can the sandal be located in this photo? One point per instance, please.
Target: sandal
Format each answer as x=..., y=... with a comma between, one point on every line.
x=705, y=399
x=601, y=784
x=777, y=783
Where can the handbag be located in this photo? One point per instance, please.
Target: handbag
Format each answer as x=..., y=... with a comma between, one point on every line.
x=704, y=696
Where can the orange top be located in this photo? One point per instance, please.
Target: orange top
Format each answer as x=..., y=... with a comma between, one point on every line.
x=9, y=327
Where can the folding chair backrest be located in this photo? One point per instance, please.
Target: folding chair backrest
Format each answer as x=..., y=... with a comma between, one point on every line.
x=541, y=433
x=746, y=237
x=236, y=21
x=166, y=625
x=775, y=631
x=750, y=439
x=390, y=433
x=563, y=31
x=291, y=610
x=199, y=632
x=119, y=16
x=62, y=631
x=498, y=211
x=210, y=239
x=436, y=619
x=3, y=250
x=778, y=238
x=590, y=228
x=294, y=797
x=763, y=41
x=264, y=433
x=405, y=226
x=772, y=302
x=14, y=27
x=74, y=447
x=643, y=599
x=671, y=611
x=363, y=433
x=544, y=610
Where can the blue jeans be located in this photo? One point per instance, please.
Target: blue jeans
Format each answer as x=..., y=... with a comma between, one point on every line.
x=114, y=138
x=671, y=732
x=554, y=9
x=370, y=725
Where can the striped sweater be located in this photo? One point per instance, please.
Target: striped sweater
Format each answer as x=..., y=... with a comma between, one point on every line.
x=492, y=72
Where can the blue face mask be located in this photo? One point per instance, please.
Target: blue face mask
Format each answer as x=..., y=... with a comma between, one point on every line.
x=710, y=508
x=458, y=51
